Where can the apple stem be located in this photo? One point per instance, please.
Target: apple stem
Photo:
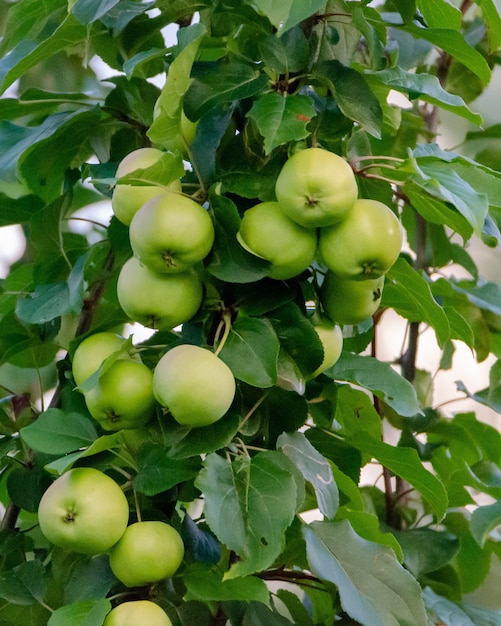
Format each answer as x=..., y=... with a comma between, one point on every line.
x=136, y=502
x=227, y=327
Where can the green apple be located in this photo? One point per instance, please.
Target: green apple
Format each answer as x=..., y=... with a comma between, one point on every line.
x=347, y=301
x=137, y=613
x=267, y=232
x=84, y=510
x=93, y=350
x=171, y=233
x=316, y=187
x=123, y=396
x=365, y=244
x=127, y=198
x=331, y=336
x=194, y=384
x=146, y=553
x=159, y=301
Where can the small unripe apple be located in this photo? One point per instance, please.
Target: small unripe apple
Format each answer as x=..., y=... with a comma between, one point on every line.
x=146, y=553
x=127, y=198
x=316, y=187
x=84, y=510
x=137, y=613
x=365, y=244
x=123, y=396
x=93, y=350
x=159, y=301
x=194, y=384
x=171, y=233
x=267, y=232
x=347, y=301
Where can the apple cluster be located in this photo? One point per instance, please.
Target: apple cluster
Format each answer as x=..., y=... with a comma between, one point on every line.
x=318, y=216
x=170, y=234
x=86, y=511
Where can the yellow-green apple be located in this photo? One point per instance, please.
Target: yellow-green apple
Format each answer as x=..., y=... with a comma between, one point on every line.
x=316, y=187
x=146, y=553
x=137, y=613
x=331, y=336
x=127, y=198
x=347, y=301
x=267, y=232
x=94, y=349
x=171, y=233
x=84, y=510
x=123, y=396
x=194, y=384
x=159, y=301
x=365, y=244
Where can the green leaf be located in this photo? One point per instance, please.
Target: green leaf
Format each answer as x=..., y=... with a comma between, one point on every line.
x=436, y=210
x=285, y=54
x=251, y=351
x=426, y=550
x=58, y=432
x=101, y=444
x=385, y=595
x=407, y=292
x=404, y=462
x=158, y=472
x=439, y=12
x=378, y=377
x=427, y=88
x=217, y=84
x=165, y=130
x=353, y=96
x=26, y=487
x=25, y=584
x=26, y=19
x=315, y=469
x=88, y=11
x=85, y=613
x=27, y=54
x=485, y=519
x=287, y=13
x=91, y=579
x=491, y=10
x=248, y=505
x=282, y=119
x=206, y=439
x=206, y=584
x=454, y=43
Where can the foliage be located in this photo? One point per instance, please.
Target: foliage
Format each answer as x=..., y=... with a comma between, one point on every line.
x=261, y=79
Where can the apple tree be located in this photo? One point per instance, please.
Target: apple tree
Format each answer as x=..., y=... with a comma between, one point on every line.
x=232, y=211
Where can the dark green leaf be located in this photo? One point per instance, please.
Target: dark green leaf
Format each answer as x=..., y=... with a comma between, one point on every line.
x=88, y=11
x=288, y=13
x=454, y=43
x=426, y=550
x=85, y=613
x=206, y=439
x=251, y=351
x=215, y=84
x=91, y=579
x=405, y=462
x=378, y=377
x=409, y=294
x=248, y=505
x=386, y=594
x=58, y=432
x=427, y=88
x=25, y=584
x=282, y=119
x=26, y=487
x=287, y=53
x=353, y=96
x=206, y=584
x=158, y=472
